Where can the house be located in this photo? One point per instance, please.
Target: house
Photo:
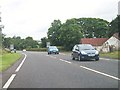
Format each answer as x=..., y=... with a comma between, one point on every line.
x=112, y=43
x=96, y=42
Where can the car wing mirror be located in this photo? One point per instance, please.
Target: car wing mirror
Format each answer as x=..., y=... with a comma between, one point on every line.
x=77, y=49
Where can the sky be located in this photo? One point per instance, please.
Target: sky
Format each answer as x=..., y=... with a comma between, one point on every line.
x=33, y=17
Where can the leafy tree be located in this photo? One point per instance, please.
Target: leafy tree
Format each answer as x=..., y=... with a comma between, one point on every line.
x=29, y=38
x=30, y=43
x=2, y=37
x=93, y=27
x=114, y=26
x=19, y=43
x=7, y=42
x=44, y=40
x=70, y=34
x=54, y=32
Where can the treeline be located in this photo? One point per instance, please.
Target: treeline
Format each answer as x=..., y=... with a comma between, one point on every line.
x=69, y=33
x=19, y=43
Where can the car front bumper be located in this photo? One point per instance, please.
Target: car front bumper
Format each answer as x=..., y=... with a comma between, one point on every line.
x=86, y=57
x=53, y=52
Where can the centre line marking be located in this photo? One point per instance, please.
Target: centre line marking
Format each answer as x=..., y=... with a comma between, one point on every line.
x=65, y=61
x=52, y=57
x=62, y=54
x=100, y=72
x=21, y=64
x=9, y=81
x=108, y=59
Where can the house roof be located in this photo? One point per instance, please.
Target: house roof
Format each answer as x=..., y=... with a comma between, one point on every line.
x=93, y=41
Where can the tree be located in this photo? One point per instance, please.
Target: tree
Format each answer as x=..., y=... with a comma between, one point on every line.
x=70, y=34
x=19, y=43
x=30, y=43
x=114, y=26
x=2, y=37
x=44, y=40
x=29, y=38
x=7, y=42
x=54, y=32
x=93, y=27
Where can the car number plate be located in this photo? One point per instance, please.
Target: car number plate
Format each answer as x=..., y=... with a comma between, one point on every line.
x=91, y=55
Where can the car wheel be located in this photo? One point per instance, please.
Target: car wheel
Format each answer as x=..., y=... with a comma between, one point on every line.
x=97, y=59
x=73, y=58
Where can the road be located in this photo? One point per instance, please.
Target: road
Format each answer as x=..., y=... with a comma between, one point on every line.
x=39, y=70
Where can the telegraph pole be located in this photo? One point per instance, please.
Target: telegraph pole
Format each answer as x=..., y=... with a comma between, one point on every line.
x=119, y=8
x=1, y=27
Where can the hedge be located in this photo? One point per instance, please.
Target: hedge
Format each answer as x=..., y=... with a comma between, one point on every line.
x=37, y=49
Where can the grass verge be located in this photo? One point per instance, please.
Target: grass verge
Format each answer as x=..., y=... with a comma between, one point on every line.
x=6, y=60
x=113, y=55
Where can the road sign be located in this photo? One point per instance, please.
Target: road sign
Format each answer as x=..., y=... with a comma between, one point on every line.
x=11, y=46
x=47, y=44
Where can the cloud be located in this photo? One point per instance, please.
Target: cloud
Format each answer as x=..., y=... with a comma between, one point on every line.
x=34, y=17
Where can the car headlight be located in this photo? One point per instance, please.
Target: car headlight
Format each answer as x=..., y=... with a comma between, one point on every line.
x=96, y=52
x=82, y=52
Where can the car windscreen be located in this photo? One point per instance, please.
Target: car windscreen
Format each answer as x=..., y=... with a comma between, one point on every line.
x=86, y=47
x=53, y=47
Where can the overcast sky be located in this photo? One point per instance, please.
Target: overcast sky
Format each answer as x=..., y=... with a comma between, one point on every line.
x=33, y=17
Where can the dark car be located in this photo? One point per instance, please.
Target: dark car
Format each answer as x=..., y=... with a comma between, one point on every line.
x=53, y=49
x=84, y=52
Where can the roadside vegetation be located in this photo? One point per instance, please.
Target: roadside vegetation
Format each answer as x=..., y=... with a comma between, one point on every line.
x=66, y=34
x=113, y=55
x=7, y=59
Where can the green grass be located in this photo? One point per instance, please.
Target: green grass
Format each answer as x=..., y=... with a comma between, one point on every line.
x=114, y=55
x=6, y=60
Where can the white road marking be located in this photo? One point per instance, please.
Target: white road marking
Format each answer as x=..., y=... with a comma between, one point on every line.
x=107, y=59
x=62, y=54
x=65, y=61
x=7, y=84
x=47, y=55
x=21, y=64
x=52, y=57
x=100, y=72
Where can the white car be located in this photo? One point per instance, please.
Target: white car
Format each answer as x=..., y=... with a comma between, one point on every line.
x=24, y=50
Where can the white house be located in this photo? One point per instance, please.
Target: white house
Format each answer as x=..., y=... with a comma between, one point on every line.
x=112, y=43
x=96, y=42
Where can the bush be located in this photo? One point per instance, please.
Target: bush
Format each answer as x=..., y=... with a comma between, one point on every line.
x=60, y=48
x=36, y=49
x=45, y=49
x=4, y=51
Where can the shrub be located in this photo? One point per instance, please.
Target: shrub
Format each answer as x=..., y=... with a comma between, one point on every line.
x=61, y=48
x=36, y=49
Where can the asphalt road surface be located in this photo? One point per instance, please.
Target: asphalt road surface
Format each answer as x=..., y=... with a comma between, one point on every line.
x=40, y=70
